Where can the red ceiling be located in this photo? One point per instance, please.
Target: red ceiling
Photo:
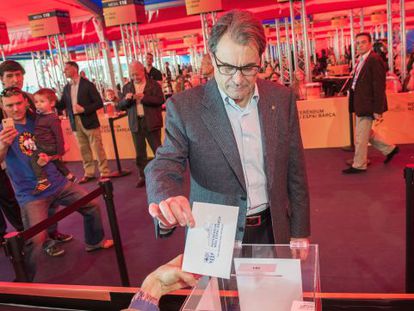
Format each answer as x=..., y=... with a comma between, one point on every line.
x=169, y=23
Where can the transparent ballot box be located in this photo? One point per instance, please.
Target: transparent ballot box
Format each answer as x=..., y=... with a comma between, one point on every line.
x=263, y=277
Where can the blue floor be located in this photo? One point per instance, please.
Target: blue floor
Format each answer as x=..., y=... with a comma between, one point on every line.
x=358, y=222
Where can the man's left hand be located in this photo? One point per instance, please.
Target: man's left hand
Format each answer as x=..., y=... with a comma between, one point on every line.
x=43, y=159
x=79, y=109
x=299, y=248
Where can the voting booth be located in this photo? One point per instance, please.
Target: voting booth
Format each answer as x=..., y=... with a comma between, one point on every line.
x=263, y=277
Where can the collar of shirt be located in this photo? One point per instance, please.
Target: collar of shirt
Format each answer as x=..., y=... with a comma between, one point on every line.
x=139, y=87
x=75, y=81
x=363, y=57
x=229, y=101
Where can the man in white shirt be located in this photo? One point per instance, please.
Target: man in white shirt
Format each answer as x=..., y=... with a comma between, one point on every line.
x=368, y=100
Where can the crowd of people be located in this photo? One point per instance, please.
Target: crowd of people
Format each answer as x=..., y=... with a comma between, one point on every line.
x=238, y=134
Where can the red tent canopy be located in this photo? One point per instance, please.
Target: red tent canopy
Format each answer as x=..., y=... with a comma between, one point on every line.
x=169, y=24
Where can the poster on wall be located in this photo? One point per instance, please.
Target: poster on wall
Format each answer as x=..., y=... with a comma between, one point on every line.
x=120, y=12
x=50, y=23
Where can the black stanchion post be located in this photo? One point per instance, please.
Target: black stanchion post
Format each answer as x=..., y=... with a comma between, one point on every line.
x=14, y=250
x=106, y=185
x=120, y=172
x=409, y=255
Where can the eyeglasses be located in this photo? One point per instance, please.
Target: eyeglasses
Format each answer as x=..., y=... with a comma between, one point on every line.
x=229, y=70
x=11, y=91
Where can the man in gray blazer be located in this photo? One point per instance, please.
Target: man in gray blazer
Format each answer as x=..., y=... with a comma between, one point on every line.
x=241, y=138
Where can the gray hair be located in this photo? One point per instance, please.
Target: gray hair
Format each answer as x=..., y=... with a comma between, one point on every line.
x=136, y=63
x=242, y=27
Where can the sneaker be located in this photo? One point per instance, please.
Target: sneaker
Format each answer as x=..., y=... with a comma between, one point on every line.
x=41, y=186
x=61, y=237
x=103, y=245
x=71, y=178
x=54, y=251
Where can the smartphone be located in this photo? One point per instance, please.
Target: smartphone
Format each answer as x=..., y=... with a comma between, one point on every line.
x=8, y=123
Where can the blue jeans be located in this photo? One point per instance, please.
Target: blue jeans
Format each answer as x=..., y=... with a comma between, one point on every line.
x=36, y=211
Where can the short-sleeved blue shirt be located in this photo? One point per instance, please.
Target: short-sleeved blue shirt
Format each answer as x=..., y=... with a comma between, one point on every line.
x=20, y=170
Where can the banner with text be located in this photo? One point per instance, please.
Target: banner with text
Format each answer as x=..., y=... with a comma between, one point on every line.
x=50, y=23
x=122, y=12
x=202, y=6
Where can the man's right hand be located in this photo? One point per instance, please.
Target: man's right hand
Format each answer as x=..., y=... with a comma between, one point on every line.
x=172, y=212
x=129, y=96
x=7, y=136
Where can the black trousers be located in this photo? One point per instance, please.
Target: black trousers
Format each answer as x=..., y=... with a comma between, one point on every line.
x=262, y=234
x=8, y=205
x=154, y=140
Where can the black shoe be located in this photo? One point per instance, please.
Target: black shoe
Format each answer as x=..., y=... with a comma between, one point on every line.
x=353, y=170
x=61, y=237
x=389, y=156
x=140, y=182
x=86, y=179
x=54, y=251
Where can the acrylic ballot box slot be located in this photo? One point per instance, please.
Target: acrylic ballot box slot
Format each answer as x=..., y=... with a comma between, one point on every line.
x=264, y=277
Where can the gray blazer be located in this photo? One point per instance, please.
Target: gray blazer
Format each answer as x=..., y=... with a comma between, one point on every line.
x=199, y=131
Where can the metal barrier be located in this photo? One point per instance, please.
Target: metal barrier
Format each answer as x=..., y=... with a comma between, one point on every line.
x=409, y=233
x=15, y=240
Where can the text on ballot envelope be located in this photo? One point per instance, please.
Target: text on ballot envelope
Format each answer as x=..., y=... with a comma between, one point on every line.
x=209, y=245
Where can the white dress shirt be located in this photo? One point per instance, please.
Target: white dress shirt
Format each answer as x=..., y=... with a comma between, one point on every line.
x=245, y=123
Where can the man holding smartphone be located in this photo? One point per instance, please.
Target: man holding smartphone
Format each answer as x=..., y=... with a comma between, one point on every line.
x=12, y=75
x=16, y=146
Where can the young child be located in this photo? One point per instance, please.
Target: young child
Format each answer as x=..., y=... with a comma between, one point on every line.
x=49, y=138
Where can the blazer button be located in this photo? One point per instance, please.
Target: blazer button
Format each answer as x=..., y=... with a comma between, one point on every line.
x=243, y=198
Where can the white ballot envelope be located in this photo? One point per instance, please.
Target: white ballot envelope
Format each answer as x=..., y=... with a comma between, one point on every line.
x=268, y=284
x=209, y=245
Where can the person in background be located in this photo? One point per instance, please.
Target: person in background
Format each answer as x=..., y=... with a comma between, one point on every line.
x=163, y=280
x=16, y=146
x=206, y=68
x=152, y=72
x=81, y=100
x=168, y=75
x=367, y=99
x=12, y=75
x=49, y=139
x=187, y=85
x=408, y=85
x=111, y=102
x=298, y=85
x=142, y=98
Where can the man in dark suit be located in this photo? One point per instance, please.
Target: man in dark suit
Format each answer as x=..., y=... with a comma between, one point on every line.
x=367, y=99
x=152, y=72
x=81, y=100
x=241, y=138
x=143, y=99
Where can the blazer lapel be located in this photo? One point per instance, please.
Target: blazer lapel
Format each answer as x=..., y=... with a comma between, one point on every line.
x=268, y=110
x=218, y=124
